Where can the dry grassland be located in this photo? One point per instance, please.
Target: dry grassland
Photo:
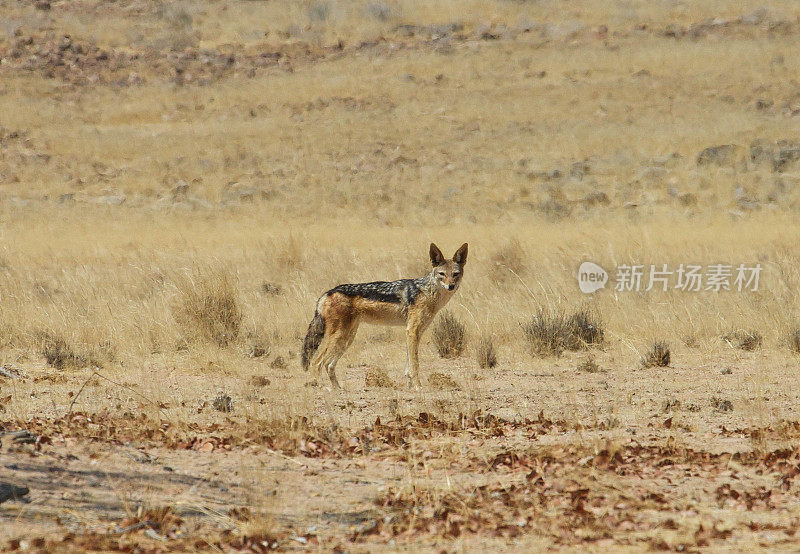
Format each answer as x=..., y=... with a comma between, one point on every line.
x=180, y=181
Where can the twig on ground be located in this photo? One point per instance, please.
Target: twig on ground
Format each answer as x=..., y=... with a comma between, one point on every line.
x=126, y=387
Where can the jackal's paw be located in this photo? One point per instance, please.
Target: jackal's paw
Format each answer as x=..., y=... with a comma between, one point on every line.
x=414, y=383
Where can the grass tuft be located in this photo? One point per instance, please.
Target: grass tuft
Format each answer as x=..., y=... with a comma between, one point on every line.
x=657, y=356
x=449, y=336
x=60, y=354
x=485, y=352
x=745, y=340
x=508, y=261
x=550, y=332
x=794, y=341
x=208, y=308
x=585, y=327
x=588, y=365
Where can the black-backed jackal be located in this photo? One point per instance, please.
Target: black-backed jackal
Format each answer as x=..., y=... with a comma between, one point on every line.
x=409, y=302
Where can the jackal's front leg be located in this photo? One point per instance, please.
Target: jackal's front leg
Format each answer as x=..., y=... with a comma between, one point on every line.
x=413, y=333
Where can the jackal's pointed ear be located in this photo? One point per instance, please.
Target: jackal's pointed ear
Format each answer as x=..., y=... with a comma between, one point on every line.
x=437, y=258
x=460, y=257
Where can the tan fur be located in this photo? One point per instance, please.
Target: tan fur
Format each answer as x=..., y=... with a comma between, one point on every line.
x=342, y=315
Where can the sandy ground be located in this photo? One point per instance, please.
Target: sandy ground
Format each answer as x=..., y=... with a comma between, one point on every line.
x=706, y=448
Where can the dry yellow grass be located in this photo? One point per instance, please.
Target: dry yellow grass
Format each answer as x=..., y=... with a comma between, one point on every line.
x=172, y=223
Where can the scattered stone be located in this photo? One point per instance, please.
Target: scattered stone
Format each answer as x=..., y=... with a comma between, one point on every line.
x=223, y=403
x=764, y=14
x=721, y=405
x=687, y=199
x=434, y=31
x=377, y=377
x=180, y=190
x=788, y=152
x=652, y=174
x=442, y=381
x=278, y=363
x=110, y=200
x=381, y=11
x=271, y=289
x=671, y=404
x=568, y=30
x=553, y=209
x=580, y=169
x=10, y=373
x=762, y=104
x=259, y=381
x=258, y=350
x=68, y=198
x=596, y=198
x=450, y=192
x=722, y=155
x=779, y=154
x=244, y=195
x=588, y=365
x=9, y=491
x=21, y=437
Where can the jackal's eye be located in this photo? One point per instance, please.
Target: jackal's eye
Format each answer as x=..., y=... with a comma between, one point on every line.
x=456, y=273
x=440, y=274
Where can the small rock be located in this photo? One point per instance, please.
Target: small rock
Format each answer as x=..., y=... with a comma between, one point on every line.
x=653, y=174
x=763, y=14
x=259, y=381
x=595, y=198
x=378, y=377
x=258, y=350
x=278, y=363
x=788, y=153
x=564, y=31
x=245, y=195
x=110, y=199
x=442, y=381
x=9, y=491
x=763, y=104
x=723, y=154
x=180, y=189
x=271, y=289
x=450, y=192
x=721, y=405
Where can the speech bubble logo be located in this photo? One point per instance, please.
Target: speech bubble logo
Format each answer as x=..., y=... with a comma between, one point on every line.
x=591, y=277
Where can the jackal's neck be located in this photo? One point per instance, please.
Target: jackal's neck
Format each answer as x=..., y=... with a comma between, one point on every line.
x=427, y=283
x=431, y=288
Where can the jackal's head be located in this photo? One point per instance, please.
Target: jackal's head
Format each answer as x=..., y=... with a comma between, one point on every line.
x=448, y=273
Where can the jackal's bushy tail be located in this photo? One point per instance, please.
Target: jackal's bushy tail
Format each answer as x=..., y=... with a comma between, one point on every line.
x=316, y=330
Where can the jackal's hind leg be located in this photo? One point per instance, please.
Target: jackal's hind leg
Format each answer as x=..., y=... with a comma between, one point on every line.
x=339, y=346
x=318, y=364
